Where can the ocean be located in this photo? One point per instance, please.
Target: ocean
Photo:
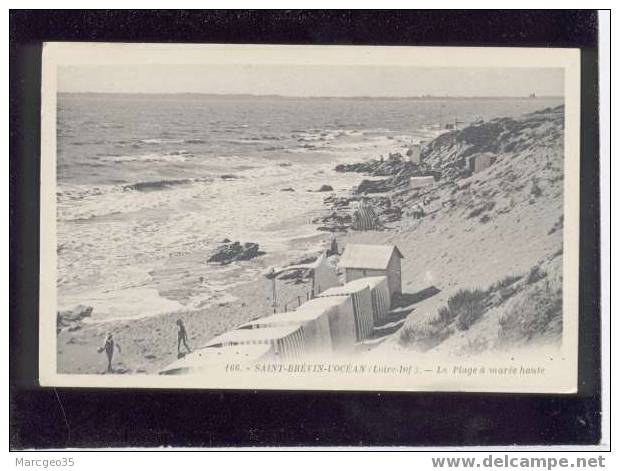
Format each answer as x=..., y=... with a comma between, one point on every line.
x=149, y=185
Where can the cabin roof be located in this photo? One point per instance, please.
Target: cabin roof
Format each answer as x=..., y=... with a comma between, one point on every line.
x=373, y=257
x=285, y=318
x=369, y=281
x=323, y=304
x=207, y=356
x=345, y=290
x=246, y=335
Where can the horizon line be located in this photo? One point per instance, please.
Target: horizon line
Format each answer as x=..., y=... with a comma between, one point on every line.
x=224, y=95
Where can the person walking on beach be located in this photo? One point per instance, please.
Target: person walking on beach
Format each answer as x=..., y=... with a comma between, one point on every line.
x=182, y=337
x=108, y=347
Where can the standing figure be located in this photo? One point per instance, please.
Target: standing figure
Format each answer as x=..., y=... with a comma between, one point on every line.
x=418, y=211
x=182, y=337
x=333, y=247
x=108, y=347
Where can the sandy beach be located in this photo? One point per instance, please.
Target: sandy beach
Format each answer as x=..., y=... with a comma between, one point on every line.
x=476, y=231
x=150, y=343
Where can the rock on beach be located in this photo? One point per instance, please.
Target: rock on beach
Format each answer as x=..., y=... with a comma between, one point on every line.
x=235, y=251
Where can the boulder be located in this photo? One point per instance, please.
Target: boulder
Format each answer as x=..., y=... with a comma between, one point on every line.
x=297, y=276
x=76, y=314
x=394, y=165
x=333, y=228
x=374, y=186
x=235, y=251
x=361, y=167
x=340, y=202
x=250, y=250
x=326, y=188
x=72, y=318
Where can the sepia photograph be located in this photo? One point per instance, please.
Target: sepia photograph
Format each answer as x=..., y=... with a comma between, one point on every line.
x=309, y=217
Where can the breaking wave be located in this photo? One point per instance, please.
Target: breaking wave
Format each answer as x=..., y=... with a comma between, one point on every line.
x=158, y=185
x=78, y=202
x=170, y=157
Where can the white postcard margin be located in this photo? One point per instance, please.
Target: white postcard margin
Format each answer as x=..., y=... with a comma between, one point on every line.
x=561, y=372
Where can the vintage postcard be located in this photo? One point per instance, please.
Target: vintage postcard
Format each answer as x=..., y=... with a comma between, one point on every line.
x=309, y=217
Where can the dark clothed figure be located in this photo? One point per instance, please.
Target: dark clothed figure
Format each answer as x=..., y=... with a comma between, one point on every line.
x=182, y=337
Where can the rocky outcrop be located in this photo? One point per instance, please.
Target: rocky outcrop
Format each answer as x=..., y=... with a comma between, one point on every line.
x=395, y=164
x=72, y=319
x=375, y=186
x=396, y=168
x=334, y=222
x=449, y=153
x=235, y=251
x=447, y=159
x=340, y=201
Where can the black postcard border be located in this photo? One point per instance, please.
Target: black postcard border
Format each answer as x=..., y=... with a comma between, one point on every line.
x=94, y=418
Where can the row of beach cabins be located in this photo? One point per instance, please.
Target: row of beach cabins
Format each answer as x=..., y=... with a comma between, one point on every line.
x=332, y=322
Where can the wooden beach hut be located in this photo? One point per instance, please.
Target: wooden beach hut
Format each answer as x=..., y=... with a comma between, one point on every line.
x=414, y=153
x=365, y=218
x=480, y=162
x=361, y=261
x=380, y=295
x=323, y=276
x=287, y=341
x=339, y=312
x=202, y=360
x=419, y=182
x=362, y=306
x=314, y=322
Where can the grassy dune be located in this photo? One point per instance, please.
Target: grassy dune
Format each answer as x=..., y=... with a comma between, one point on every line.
x=490, y=243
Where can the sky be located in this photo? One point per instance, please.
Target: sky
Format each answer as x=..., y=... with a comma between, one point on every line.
x=312, y=80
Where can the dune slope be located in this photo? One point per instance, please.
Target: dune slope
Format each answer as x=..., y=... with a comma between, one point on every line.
x=496, y=233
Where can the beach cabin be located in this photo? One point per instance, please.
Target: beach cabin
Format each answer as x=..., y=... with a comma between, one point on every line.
x=314, y=322
x=202, y=360
x=323, y=275
x=414, y=153
x=419, y=182
x=341, y=318
x=362, y=306
x=287, y=341
x=379, y=293
x=361, y=261
x=365, y=218
x=480, y=162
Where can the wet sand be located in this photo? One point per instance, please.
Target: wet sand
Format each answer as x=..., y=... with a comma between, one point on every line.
x=149, y=344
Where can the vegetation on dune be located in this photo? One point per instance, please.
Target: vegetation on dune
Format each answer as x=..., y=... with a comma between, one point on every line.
x=467, y=306
x=522, y=188
x=463, y=309
x=505, y=282
x=536, y=273
x=532, y=310
x=535, y=189
x=423, y=335
x=536, y=314
x=488, y=206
